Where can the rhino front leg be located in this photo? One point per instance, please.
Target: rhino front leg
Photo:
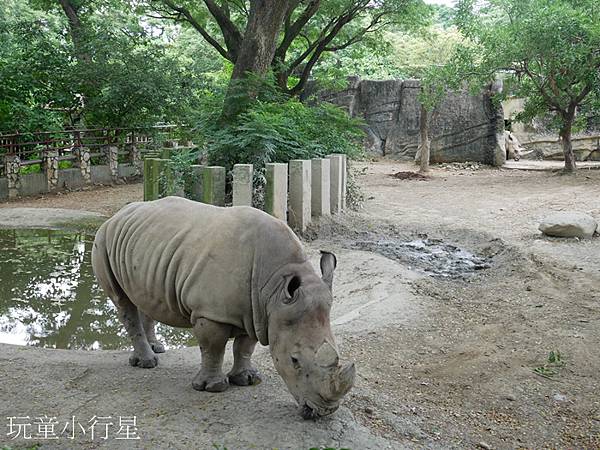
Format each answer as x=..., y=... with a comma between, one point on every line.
x=212, y=338
x=150, y=329
x=243, y=373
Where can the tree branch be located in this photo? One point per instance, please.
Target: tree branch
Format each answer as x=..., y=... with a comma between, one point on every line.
x=187, y=16
x=231, y=35
x=292, y=30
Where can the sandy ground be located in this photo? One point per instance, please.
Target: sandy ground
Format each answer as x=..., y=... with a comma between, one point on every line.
x=459, y=363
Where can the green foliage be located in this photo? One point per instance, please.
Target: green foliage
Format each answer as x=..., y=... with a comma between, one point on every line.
x=274, y=128
x=34, y=65
x=401, y=51
x=552, y=366
x=119, y=69
x=547, y=51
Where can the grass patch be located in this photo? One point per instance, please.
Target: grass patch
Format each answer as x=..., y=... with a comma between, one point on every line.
x=551, y=368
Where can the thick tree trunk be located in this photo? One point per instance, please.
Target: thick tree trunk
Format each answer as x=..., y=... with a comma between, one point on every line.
x=425, y=142
x=76, y=30
x=565, y=136
x=256, y=52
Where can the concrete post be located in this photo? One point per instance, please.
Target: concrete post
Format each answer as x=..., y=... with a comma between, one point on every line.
x=112, y=155
x=337, y=180
x=276, y=190
x=13, y=174
x=83, y=162
x=195, y=187
x=344, y=180
x=135, y=157
x=213, y=185
x=153, y=168
x=166, y=153
x=321, y=187
x=166, y=179
x=242, y=185
x=300, y=194
x=50, y=168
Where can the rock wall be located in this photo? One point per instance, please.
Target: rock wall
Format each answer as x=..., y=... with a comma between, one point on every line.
x=467, y=127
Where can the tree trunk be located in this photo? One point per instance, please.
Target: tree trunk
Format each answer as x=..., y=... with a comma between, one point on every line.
x=425, y=142
x=565, y=136
x=256, y=52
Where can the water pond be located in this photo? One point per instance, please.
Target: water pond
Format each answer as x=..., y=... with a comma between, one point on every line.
x=49, y=296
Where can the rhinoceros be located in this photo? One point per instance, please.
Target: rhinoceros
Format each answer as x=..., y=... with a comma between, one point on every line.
x=226, y=273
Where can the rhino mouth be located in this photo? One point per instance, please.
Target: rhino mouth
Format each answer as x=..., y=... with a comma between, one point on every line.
x=311, y=411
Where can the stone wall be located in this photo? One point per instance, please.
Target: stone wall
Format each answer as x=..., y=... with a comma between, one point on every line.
x=466, y=128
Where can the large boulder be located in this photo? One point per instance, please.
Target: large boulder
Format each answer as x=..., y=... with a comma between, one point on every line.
x=569, y=224
x=466, y=127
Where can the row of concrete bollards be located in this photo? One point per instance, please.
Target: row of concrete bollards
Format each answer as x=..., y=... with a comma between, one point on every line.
x=295, y=192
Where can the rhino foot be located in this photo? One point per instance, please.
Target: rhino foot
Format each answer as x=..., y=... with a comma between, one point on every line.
x=157, y=347
x=210, y=383
x=247, y=377
x=145, y=361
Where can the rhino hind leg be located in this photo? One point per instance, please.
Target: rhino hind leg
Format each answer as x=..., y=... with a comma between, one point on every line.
x=150, y=329
x=142, y=355
x=242, y=372
x=212, y=338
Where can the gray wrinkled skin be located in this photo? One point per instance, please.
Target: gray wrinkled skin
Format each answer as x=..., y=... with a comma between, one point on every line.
x=226, y=273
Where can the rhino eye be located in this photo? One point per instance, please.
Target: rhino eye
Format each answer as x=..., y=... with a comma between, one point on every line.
x=293, y=286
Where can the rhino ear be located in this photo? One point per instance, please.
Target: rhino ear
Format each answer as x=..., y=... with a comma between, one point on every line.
x=328, y=264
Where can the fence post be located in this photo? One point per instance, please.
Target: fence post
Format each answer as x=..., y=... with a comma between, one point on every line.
x=13, y=174
x=242, y=185
x=84, y=164
x=213, y=185
x=50, y=167
x=276, y=190
x=321, y=187
x=337, y=179
x=151, y=179
x=135, y=157
x=300, y=193
x=112, y=154
x=195, y=187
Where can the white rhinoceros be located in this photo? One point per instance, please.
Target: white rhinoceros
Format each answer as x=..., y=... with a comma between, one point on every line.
x=227, y=273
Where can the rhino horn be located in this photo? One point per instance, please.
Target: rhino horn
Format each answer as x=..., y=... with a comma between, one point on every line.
x=327, y=355
x=344, y=380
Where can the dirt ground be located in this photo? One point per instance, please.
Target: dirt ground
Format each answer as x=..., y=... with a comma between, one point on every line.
x=508, y=357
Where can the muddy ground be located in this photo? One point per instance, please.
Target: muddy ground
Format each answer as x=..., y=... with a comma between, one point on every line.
x=502, y=355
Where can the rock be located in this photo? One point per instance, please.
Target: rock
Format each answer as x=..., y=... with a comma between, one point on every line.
x=466, y=128
x=569, y=224
x=559, y=397
x=484, y=445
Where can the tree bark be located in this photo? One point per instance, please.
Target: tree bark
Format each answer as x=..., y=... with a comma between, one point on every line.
x=565, y=136
x=425, y=142
x=256, y=52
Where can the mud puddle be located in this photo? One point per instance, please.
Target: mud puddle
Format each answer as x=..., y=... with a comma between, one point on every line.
x=49, y=296
x=433, y=257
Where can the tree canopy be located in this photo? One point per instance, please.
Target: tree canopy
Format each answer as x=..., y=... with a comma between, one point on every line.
x=548, y=52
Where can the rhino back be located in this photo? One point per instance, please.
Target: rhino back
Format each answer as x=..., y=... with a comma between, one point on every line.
x=179, y=260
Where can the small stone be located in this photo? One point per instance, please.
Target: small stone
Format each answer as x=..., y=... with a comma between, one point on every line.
x=484, y=445
x=559, y=397
x=368, y=410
